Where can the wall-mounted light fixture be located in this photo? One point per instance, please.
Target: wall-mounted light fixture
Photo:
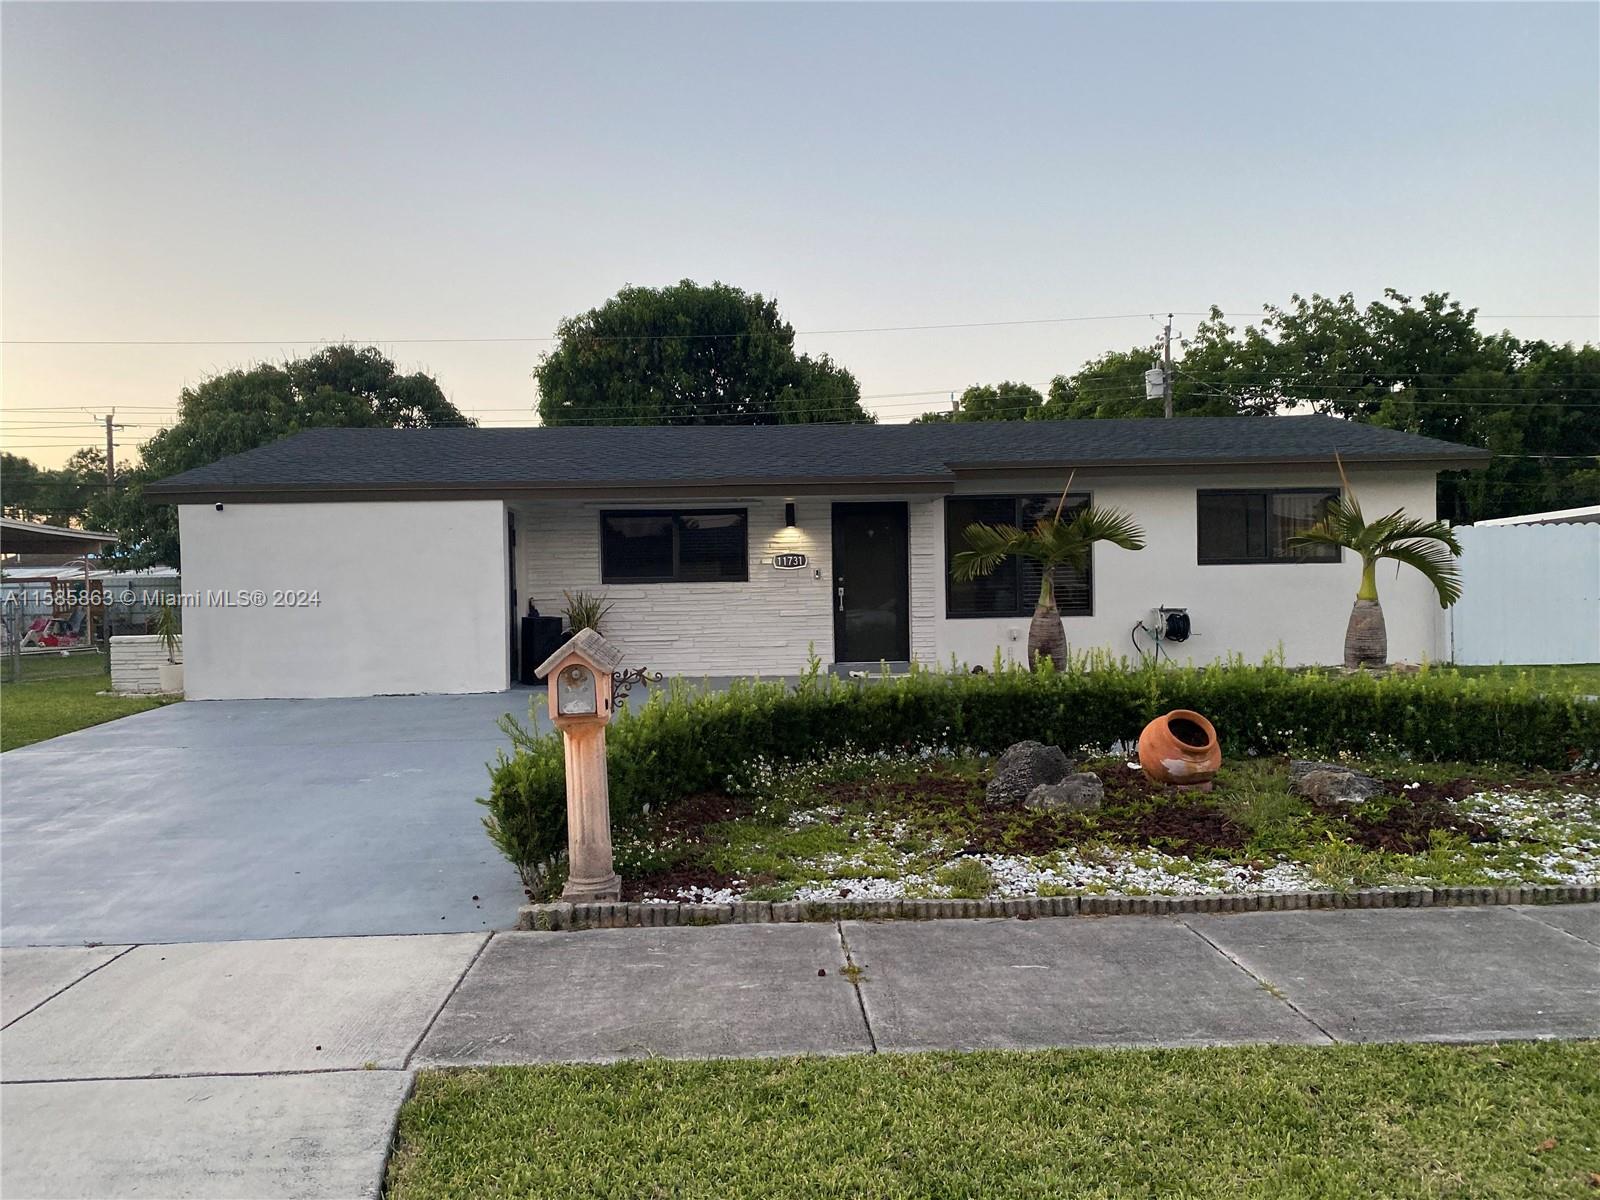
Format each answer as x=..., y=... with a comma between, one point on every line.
x=788, y=514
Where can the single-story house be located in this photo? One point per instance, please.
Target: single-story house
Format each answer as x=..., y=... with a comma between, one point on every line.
x=349, y=562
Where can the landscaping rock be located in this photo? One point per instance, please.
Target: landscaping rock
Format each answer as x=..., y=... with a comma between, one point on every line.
x=1023, y=767
x=1330, y=782
x=1082, y=792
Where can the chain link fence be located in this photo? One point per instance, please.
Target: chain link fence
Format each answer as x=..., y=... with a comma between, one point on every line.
x=60, y=628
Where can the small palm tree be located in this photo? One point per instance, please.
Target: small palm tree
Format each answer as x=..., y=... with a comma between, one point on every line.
x=1429, y=546
x=1052, y=543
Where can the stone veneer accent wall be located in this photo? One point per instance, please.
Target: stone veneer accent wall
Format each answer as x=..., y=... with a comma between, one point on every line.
x=927, y=578
x=763, y=626
x=136, y=661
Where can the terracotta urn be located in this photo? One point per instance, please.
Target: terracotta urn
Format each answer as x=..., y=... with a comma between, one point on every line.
x=1180, y=748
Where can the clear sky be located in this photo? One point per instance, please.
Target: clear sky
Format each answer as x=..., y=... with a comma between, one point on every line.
x=276, y=173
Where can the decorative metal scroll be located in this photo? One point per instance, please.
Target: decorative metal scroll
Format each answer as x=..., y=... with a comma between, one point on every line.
x=622, y=683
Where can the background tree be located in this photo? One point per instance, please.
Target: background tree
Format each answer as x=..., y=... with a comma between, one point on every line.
x=991, y=402
x=689, y=354
x=59, y=496
x=249, y=407
x=1422, y=365
x=22, y=491
x=1113, y=384
x=1418, y=364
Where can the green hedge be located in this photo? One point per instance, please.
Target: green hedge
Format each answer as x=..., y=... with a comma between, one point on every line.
x=686, y=740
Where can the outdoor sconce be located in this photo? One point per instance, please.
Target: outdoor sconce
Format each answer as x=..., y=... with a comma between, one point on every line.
x=580, y=676
x=788, y=514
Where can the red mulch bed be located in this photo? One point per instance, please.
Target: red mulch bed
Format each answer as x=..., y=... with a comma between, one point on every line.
x=1413, y=814
x=667, y=883
x=687, y=818
x=945, y=804
x=1136, y=812
x=1405, y=827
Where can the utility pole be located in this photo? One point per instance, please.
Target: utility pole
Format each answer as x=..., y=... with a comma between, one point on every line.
x=111, y=454
x=1167, y=367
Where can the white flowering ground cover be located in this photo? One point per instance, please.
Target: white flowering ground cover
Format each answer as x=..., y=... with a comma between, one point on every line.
x=915, y=824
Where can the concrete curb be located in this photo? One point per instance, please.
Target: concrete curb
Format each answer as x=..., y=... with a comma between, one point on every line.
x=655, y=916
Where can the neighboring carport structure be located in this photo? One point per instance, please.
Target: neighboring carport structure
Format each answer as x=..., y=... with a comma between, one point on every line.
x=35, y=543
x=26, y=537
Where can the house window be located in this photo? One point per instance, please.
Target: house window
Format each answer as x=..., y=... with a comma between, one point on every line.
x=1255, y=526
x=1013, y=588
x=673, y=547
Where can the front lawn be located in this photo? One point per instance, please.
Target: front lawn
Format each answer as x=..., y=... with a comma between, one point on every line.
x=45, y=708
x=903, y=824
x=1504, y=1122
x=1582, y=678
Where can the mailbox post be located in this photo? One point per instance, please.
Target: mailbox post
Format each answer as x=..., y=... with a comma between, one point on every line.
x=581, y=706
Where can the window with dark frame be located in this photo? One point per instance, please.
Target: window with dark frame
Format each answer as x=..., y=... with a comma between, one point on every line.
x=1238, y=525
x=1013, y=588
x=701, y=546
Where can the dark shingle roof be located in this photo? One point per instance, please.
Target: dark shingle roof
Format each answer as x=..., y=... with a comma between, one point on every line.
x=572, y=457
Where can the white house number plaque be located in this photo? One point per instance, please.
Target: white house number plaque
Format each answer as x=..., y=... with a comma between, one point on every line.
x=788, y=562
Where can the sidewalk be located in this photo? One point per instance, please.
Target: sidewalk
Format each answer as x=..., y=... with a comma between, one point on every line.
x=276, y=1068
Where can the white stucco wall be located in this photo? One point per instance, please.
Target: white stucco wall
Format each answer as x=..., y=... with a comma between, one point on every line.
x=764, y=626
x=1249, y=609
x=412, y=597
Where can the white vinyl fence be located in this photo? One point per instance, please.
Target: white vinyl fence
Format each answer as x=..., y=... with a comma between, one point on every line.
x=1529, y=594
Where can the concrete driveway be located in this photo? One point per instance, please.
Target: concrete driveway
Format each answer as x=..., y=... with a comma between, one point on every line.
x=229, y=820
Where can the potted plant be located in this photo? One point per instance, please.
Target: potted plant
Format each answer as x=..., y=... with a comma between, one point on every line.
x=168, y=629
x=585, y=610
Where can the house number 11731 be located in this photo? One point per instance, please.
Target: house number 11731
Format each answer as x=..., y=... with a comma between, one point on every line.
x=788, y=562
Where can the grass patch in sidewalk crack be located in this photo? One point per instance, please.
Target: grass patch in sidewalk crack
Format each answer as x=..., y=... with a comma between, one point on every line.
x=1408, y=1122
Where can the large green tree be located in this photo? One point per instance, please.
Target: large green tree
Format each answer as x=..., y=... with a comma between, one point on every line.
x=249, y=407
x=1113, y=385
x=1423, y=365
x=689, y=354
x=1415, y=363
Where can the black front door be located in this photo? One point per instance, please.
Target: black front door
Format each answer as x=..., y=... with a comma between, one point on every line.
x=871, y=584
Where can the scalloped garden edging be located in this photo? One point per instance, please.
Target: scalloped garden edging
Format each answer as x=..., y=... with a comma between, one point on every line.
x=656, y=915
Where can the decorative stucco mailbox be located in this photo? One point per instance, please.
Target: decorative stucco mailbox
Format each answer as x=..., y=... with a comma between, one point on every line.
x=581, y=683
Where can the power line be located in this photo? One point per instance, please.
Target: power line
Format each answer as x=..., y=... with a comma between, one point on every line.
x=41, y=435
x=596, y=337
x=648, y=337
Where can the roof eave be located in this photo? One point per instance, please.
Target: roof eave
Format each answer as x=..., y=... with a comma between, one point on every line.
x=1438, y=462
x=204, y=493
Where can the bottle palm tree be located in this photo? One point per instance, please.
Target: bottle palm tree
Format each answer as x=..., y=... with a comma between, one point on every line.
x=1052, y=543
x=1428, y=546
